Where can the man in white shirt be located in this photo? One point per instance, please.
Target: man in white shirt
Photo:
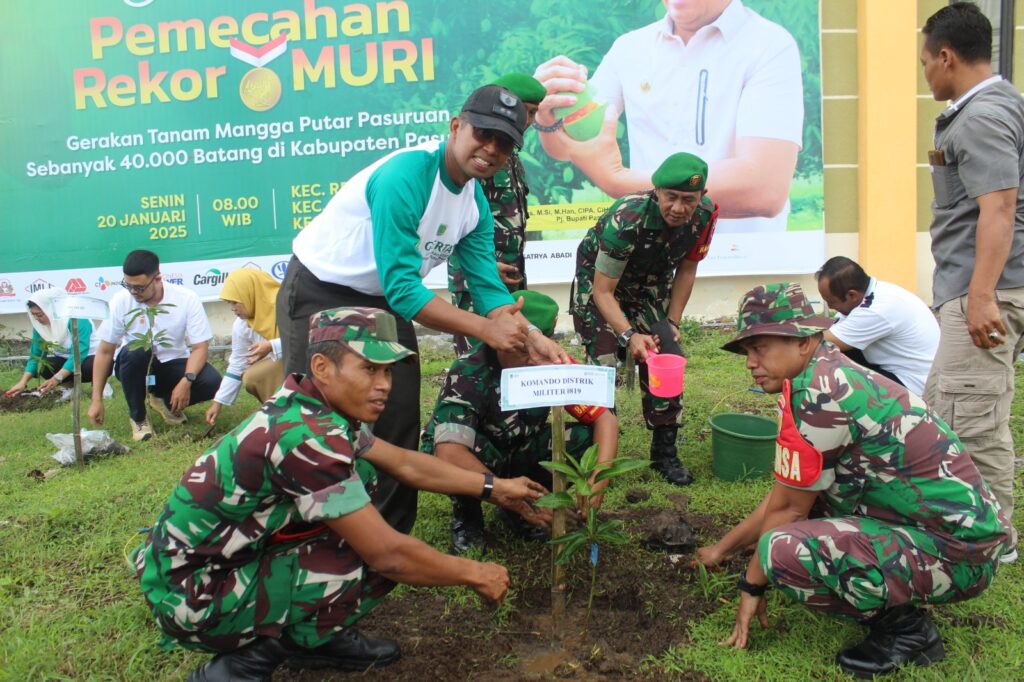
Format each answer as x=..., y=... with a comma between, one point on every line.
x=177, y=376
x=711, y=78
x=879, y=325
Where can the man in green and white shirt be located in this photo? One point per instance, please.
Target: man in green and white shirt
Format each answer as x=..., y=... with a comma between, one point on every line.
x=385, y=230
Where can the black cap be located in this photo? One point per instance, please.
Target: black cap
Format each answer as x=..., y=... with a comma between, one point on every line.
x=492, y=107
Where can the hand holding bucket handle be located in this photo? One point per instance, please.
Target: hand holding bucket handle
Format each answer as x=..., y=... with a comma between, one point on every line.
x=666, y=374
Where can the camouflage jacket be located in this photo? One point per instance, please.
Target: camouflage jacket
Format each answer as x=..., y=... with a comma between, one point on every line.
x=876, y=450
x=294, y=461
x=632, y=243
x=506, y=194
x=468, y=409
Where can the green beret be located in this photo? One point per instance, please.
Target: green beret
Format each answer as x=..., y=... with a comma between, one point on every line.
x=683, y=172
x=523, y=86
x=540, y=309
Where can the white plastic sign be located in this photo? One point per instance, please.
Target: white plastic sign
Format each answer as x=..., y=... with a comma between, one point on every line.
x=81, y=307
x=549, y=385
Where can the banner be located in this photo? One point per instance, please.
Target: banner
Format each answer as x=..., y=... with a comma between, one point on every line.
x=211, y=133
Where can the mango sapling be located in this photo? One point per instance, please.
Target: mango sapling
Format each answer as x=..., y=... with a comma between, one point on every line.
x=587, y=480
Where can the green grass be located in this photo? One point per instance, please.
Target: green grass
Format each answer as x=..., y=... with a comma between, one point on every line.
x=71, y=610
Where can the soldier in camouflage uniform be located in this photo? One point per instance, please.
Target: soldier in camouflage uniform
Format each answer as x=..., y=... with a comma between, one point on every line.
x=269, y=549
x=506, y=194
x=470, y=430
x=637, y=267
x=876, y=509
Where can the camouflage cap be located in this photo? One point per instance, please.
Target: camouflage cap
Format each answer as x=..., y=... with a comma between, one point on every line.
x=540, y=309
x=370, y=333
x=777, y=310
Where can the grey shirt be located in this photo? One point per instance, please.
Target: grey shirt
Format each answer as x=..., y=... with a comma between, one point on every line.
x=983, y=145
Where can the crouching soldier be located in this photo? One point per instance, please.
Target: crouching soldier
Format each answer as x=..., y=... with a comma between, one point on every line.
x=269, y=549
x=469, y=429
x=876, y=509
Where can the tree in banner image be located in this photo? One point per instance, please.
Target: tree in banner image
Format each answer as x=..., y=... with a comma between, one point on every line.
x=583, y=476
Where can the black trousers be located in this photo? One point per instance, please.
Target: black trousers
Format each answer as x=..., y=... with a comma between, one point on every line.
x=130, y=369
x=55, y=362
x=857, y=356
x=302, y=295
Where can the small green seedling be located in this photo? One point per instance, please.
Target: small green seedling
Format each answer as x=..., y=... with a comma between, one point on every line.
x=582, y=475
x=148, y=340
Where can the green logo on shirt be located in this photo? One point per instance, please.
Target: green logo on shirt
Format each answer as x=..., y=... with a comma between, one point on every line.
x=441, y=229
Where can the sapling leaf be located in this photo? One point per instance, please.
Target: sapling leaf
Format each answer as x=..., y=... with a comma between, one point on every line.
x=570, y=549
x=556, y=501
x=620, y=466
x=589, y=459
x=578, y=533
x=561, y=468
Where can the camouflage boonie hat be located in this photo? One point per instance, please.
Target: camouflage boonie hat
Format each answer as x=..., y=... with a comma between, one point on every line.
x=777, y=310
x=370, y=333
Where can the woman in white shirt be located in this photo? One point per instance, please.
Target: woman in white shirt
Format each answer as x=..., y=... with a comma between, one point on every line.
x=255, y=361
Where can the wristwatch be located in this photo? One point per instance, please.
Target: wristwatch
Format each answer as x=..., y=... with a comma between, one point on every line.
x=750, y=588
x=488, y=485
x=625, y=336
x=190, y=377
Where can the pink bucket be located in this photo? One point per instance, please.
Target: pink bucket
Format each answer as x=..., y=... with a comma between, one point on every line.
x=666, y=374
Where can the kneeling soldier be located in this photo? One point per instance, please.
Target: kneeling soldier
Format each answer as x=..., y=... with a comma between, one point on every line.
x=269, y=549
x=876, y=509
x=469, y=429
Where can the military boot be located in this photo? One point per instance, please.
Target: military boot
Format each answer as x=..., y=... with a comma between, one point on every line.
x=663, y=456
x=905, y=634
x=254, y=662
x=349, y=650
x=467, y=524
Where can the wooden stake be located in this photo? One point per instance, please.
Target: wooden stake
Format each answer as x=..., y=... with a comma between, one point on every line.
x=557, y=524
x=76, y=409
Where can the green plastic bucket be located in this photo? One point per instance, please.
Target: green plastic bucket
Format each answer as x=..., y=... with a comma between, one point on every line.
x=742, y=445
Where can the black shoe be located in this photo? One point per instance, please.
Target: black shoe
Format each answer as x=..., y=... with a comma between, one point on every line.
x=664, y=459
x=905, y=634
x=522, y=529
x=349, y=650
x=254, y=662
x=467, y=525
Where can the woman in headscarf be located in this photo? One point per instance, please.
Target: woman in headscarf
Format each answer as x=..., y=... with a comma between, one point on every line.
x=51, y=356
x=255, y=360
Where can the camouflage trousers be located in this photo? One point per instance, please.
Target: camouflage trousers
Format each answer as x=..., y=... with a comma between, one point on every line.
x=523, y=459
x=293, y=589
x=856, y=566
x=462, y=300
x=602, y=347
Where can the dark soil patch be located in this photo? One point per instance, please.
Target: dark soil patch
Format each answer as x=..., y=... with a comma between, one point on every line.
x=27, y=402
x=645, y=601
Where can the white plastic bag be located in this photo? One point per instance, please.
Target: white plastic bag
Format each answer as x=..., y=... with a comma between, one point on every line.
x=93, y=443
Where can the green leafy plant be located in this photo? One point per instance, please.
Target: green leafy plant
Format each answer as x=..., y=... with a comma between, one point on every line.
x=47, y=349
x=582, y=476
x=148, y=340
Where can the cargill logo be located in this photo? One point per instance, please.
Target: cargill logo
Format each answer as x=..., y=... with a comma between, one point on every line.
x=441, y=229
x=212, y=277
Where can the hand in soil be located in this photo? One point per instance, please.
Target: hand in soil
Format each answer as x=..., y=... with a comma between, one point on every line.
x=535, y=516
x=710, y=556
x=14, y=390
x=492, y=582
x=749, y=607
x=48, y=385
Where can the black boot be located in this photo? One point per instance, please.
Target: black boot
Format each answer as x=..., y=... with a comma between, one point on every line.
x=467, y=524
x=663, y=456
x=254, y=662
x=905, y=634
x=349, y=650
